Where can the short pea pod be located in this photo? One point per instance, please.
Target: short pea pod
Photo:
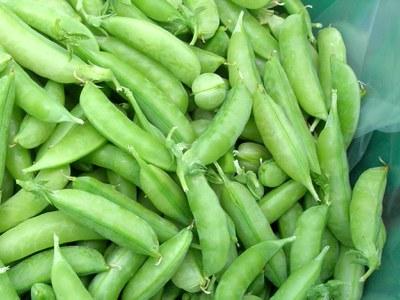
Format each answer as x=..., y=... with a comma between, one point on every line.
x=42, y=291
x=271, y=175
x=287, y=224
x=7, y=290
x=310, y=228
x=122, y=185
x=333, y=160
x=297, y=7
x=37, y=268
x=331, y=258
x=365, y=215
x=300, y=281
x=36, y=234
x=64, y=279
x=152, y=276
x=209, y=61
x=297, y=62
x=281, y=139
x=279, y=200
x=348, y=92
x=279, y=88
x=123, y=264
x=245, y=268
x=218, y=44
x=252, y=4
x=206, y=18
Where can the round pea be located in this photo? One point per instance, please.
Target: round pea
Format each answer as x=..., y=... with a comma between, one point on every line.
x=270, y=174
x=209, y=91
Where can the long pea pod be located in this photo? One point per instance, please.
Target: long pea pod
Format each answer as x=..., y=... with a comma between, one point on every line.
x=91, y=7
x=206, y=18
x=7, y=290
x=42, y=291
x=159, y=10
x=122, y=185
x=297, y=7
x=287, y=224
x=331, y=258
x=125, y=8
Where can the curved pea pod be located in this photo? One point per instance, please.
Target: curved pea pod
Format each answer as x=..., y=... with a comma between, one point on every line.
x=331, y=258
x=258, y=286
x=365, y=215
x=330, y=44
x=348, y=93
x=123, y=265
x=252, y=4
x=150, y=68
x=7, y=290
x=158, y=43
x=250, y=155
x=297, y=7
x=159, y=10
x=297, y=61
x=279, y=200
x=300, y=281
x=153, y=275
x=287, y=224
x=271, y=175
x=209, y=61
x=309, y=230
x=218, y=44
x=122, y=185
x=125, y=8
x=116, y=127
x=349, y=272
x=245, y=268
x=281, y=140
x=250, y=132
x=37, y=268
x=334, y=165
x=42, y=291
x=278, y=87
x=206, y=18
x=260, y=38
x=36, y=234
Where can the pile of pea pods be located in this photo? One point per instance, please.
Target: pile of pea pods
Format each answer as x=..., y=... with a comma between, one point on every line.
x=180, y=149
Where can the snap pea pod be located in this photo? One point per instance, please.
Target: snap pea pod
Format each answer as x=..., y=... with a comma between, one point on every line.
x=99, y=245
x=36, y=234
x=250, y=155
x=37, y=268
x=227, y=163
x=258, y=285
x=209, y=61
x=252, y=4
x=163, y=228
x=7, y=290
x=381, y=240
x=297, y=61
x=122, y=185
x=123, y=264
x=206, y=18
x=261, y=39
x=61, y=6
x=125, y=8
x=250, y=131
x=91, y=7
x=278, y=201
x=159, y=10
x=281, y=140
x=171, y=292
x=24, y=205
x=287, y=224
x=99, y=174
x=278, y=87
x=331, y=258
x=7, y=187
x=218, y=44
x=152, y=276
x=365, y=215
x=334, y=165
x=41, y=291
x=270, y=175
x=297, y=7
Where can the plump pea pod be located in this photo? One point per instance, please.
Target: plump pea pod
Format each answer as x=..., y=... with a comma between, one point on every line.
x=297, y=7
x=158, y=43
x=331, y=258
x=300, y=281
x=37, y=268
x=365, y=215
x=189, y=276
x=61, y=6
x=42, y=291
x=245, y=268
x=279, y=88
x=7, y=186
x=7, y=290
x=209, y=61
x=99, y=245
x=91, y=7
x=330, y=44
x=122, y=185
x=349, y=272
x=211, y=223
x=34, y=132
x=348, y=94
x=7, y=97
x=310, y=228
x=162, y=227
x=24, y=205
x=227, y=163
x=252, y=4
x=151, y=69
x=32, y=51
x=281, y=140
x=116, y=127
x=123, y=264
x=258, y=285
x=287, y=224
x=250, y=155
x=296, y=59
x=209, y=90
x=99, y=174
x=250, y=132
x=125, y=8
x=334, y=165
x=206, y=18
x=260, y=38
x=65, y=281
x=159, y=10
x=153, y=275
x=218, y=44
x=271, y=175
x=381, y=239
x=36, y=234
x=279, y=200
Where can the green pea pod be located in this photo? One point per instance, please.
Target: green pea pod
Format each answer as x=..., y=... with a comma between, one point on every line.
x=252, y=4
x=91, y=7
x=300, y=281
x=153, y=275
x=278, y=86
x=209, y=90
x=365, y=215
x=227, y=163
x=7, y=187
x=37, y=268
x=64, y=279
x=330, y=44
x=260, y=38
x=42, y=291
x=297, y=61
x=36, y=234
x=123, y=265
x=381, y=240
x=245, y=269
x=24, y=205
x=125, y=8
x=279, y=200
x=209, y=61
x=309, y=231
x=270, y=175
x=348, y=92
x=331, y=258
x=171, y=292
x=200, y=126
x=218, y=44
x=99, y=245
x=258, y=285
x=122, y=185
x=250, y=155
x=334, y=165
x=281, y=140
x=287, y=224
x=99, y=174
x=206, y=18
x=250, y=132
x=297, y=7
x=62, y=7
x=159, y=10
x=7, y=290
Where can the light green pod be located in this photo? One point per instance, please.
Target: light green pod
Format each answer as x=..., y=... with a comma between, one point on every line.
x=250, y=155
x=209, y=91
x=287, y=224
x=200, y=126
x=254, y=4
x=122, y=185
x=250, y=132
x=42, y=291
x=206, y=18
x=297, y=7
x=7, y=290
x=209, y=61
x=125, y=8
x=331, y=258
x=271, y=175
x=7, y=187
x=218, y=44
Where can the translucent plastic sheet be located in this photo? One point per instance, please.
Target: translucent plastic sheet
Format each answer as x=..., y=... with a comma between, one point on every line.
x=371, y=30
